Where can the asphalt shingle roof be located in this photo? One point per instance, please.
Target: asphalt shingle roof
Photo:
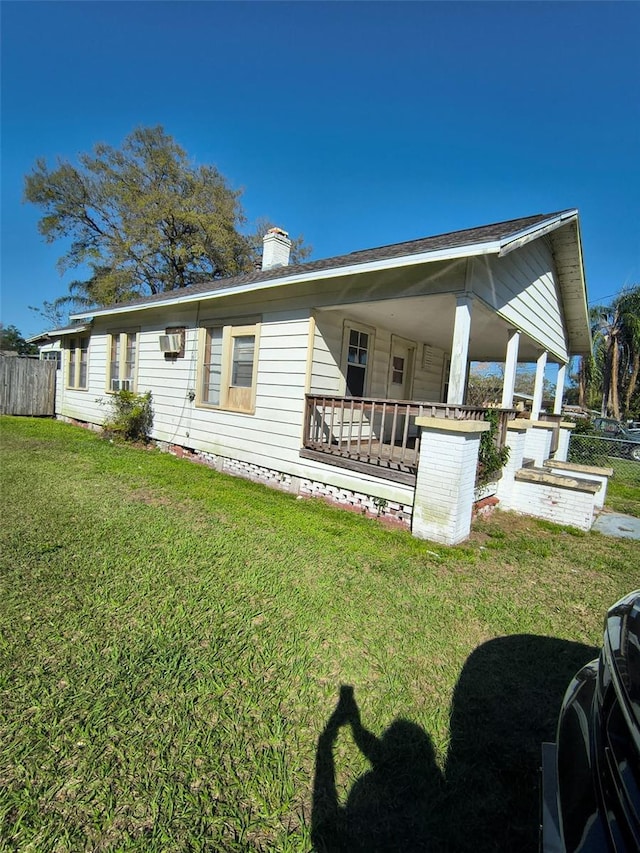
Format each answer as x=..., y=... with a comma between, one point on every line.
x=452, y=239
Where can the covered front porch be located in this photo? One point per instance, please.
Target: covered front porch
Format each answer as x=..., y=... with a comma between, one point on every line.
x=369, y=435
x=377, y=367
x=389, y=359
x=426, y=459
x=387, y=390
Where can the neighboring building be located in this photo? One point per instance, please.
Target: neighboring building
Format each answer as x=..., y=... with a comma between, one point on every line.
x=294, y=374
x=51, y=347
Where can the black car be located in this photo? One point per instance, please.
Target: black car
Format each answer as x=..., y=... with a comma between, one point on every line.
x=624, y=442
x=591, y=775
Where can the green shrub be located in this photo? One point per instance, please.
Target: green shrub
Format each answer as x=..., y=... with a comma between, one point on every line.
x=491, y=458
x=583, y=426
x=131, y=416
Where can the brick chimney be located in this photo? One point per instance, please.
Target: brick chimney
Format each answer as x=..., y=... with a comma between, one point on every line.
x=276, y=248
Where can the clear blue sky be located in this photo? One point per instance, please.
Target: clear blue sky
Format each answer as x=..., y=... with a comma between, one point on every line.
x=356, y=124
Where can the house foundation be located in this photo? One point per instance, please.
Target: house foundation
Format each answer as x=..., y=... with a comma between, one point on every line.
x=358, y=501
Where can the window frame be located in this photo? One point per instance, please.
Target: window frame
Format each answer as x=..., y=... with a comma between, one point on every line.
x=74, y=349
x=240, y=399
x=123, y=337
x=361, y=328
x=52, y=355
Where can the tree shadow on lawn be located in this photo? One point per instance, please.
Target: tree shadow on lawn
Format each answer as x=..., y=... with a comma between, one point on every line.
x=504, y=706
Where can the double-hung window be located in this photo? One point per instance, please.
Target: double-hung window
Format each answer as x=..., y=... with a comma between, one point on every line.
x=228, y=368
x=357, y=351
x=121, y=369
x=78, y=362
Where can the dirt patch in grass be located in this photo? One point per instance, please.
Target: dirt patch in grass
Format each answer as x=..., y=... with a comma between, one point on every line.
x=146, y=496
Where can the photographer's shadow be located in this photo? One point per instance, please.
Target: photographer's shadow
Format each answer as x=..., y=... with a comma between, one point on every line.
x=486, y=800
x=391, y=807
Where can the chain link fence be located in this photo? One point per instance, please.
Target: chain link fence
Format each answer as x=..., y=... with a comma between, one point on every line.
x=623, y=456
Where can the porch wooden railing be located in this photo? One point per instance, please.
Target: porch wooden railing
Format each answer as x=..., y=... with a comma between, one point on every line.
x=363, y=432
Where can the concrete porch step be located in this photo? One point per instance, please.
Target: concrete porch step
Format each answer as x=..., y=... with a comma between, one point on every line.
x=556, y=497
x=563, y=481
x=578, y=468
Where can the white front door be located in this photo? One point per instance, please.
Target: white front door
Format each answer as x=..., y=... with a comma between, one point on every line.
x=400, y=370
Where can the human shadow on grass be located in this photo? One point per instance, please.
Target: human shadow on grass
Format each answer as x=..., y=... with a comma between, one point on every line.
x=504, y=706
x=386, y=804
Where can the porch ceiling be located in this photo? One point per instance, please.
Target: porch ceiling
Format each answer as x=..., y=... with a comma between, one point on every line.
x=429, y=320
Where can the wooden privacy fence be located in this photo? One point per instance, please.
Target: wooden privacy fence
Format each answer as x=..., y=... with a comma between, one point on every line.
x=27, y=386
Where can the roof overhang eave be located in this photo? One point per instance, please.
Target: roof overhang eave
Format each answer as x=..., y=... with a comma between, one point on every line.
x=580, y=340
x=454, y=253
x=54, y=334
x=515, y=241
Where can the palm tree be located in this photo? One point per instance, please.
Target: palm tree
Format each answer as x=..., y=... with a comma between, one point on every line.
x=630, y=344
x=616, y=340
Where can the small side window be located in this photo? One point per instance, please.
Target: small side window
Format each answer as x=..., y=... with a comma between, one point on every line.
x=78, y=363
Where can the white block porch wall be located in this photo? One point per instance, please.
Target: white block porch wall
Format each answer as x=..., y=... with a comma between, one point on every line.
x=562, y=451
x=538, y=442
x=554, y=503
x=516, y=440
x=589, y=473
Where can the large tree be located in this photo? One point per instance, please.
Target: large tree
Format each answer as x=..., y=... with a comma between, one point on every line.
x=141, y=219
x=11, y=340
x=487, y=378
x=55, y=313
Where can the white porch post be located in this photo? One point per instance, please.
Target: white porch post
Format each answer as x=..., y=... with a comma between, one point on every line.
x=538, y=387
x=445, y=481
x=557, y=404
x=510, y=365
x=460, y=350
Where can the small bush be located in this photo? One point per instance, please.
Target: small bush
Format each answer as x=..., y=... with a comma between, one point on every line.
x=131, y=416
x=583, y=426
x=491, y=459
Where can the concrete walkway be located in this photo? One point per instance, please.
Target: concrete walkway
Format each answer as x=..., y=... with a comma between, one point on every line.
x=616, y=524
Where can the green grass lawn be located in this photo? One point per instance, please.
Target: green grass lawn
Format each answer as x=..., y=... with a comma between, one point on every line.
x=173, y=642
x=623, y=491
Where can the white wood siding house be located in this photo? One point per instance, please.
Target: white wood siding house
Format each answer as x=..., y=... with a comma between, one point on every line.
x=292, y=374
